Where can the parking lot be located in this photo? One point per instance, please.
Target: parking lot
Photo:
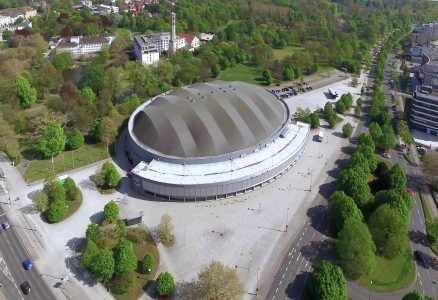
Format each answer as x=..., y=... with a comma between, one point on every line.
x=292, y=90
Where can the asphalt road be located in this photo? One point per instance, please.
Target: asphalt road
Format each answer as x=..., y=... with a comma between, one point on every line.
x=12, y=273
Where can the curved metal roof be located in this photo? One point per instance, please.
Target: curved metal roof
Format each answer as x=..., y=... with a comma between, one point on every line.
x=209, y=119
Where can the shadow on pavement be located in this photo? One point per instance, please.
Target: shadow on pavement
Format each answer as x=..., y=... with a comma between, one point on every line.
x=425, y=260
x=97, y=218
x=316, y=214
x=418, y=237
x=73, y=262
x=295, y=288
x=185, y=291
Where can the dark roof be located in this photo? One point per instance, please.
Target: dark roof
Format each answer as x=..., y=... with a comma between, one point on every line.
x=209, y=119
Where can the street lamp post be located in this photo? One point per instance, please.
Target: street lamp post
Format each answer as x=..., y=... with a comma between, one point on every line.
x=287, y=218
x=369, y=294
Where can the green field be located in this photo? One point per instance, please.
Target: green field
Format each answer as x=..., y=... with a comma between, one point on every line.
x=242, y=72
x=391, y=274
x=67, y=160
x=282, y=53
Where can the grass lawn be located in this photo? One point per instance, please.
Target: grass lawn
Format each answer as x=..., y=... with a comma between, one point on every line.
x=66, y=161
x=123, y=32
x=408, y=158
x=391, y=274
x=428, y=218
x=140, y=280
x=242, y=72
x=73, y=206
x=282, y=53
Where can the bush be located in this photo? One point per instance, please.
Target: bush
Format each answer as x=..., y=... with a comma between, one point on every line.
x=123, y=283
x=56, y=212
x=314, y=120
x=136, y=235
x=41, y=201
x=76, y=139
x=147, y=264
x=107, y=176
x=347, y=130
x=340, y=107
x=121, y=228
x=108, y=237
x=165, y=285
x=92, y=232
x=111, y=211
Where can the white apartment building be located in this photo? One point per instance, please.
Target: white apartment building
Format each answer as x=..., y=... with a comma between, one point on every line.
x=78, y=45
x=145, y=50
x=162, y=41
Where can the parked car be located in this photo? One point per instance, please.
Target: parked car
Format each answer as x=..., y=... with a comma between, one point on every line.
x=386, y=155
x=410, y=191
x=6, y=225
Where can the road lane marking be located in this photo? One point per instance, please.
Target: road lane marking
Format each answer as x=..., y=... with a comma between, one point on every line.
x=276, y=290
x=279, y=283
x=298, y=256
x=274, y=296
x=307, y=263
x=418, y=211
x=287, y=268
x=282, y=276
x=428, y=275
x=298, y=244
x=301, y=238
x=421, y=283
x=289, y=262
x=433, y=290
x=313, y=235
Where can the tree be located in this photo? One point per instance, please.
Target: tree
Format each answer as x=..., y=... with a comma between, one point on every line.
x=165, y=285
x=93, y=232
x=356, y=248
x=215, y=70
x=314, y=120
x=354, y=81
x=396, y=201
x=347, y=130
x=62, y=61
x=165, y=229
x=123, y=283
x=353, y=182
x=389, y=231
x=124, y=257
x=7, y=35
x=103, y=266
x=267, y=77
x=358, y=111
x=94, y=77
x=71, y=190
x=129, y=105
x=147, y=264
x=41, y=201
x=24, y=91
x=396, y=178
x=110, y=126
x=366, y=140
x=90, y=252
x=217, y=281
x=430, y=165
x=76, y=139
x=387, y=141
x=327, y=282
x=111, y=211
x=340, y=107
x=56, y=212
x=376, y=132
x=403, y=131
x=88, y=93
x=415, y=295
x=343, y=208
x=288, y=73
x=53, y=139
x=108, y=176
x=95, y=131
x=121, y=228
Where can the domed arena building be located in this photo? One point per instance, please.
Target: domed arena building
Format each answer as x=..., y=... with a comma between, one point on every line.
x=211, y=140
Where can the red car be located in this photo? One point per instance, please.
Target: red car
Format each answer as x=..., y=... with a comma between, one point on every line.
x=410, y=192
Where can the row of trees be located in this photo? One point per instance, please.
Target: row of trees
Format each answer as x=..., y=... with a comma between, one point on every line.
x=385, y=232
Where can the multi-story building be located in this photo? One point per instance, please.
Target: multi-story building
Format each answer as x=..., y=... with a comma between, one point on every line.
x=424, y=110
x=162, y=41
x=78, y=45
x=145, y=50
x=423, y=40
